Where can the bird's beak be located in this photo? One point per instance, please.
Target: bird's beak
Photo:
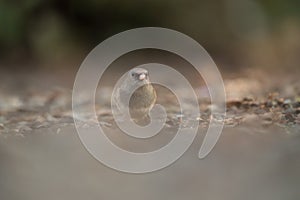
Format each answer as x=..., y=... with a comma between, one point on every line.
x=142, y=77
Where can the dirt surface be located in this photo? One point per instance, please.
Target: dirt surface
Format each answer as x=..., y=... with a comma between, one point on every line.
x=27, y=105
x=256, y=157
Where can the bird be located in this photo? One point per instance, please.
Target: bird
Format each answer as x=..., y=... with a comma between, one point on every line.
x=143, y=97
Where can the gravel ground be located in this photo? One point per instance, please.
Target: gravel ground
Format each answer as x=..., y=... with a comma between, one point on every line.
x=248, y=100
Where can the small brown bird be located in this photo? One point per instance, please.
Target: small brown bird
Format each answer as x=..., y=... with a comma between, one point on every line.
x=142, y=99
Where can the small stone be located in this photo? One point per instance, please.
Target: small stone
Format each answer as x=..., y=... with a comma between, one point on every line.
x=254, y=104
x=250, y=118
x=234, y=104
x=42, y=125
x=271, y=103
x=103, y=123
x=273, y=95
x=289, y=111
x=290, y=117
x=85, y=125
x=247, y=99
x=20, y=135
x=287, y=101
x=179, y=116
x=296, y=104
x=280, y=101
x=199, y=119
x=267, y=116
x=266, y=123
x=23, y=127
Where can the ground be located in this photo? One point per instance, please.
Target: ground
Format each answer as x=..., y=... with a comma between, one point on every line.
x=257, y=155
x=250, y=98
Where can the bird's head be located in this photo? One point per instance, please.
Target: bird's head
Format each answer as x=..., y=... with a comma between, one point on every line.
x=139, y=75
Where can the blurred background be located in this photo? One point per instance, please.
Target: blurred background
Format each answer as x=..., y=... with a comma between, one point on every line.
x=54, y=34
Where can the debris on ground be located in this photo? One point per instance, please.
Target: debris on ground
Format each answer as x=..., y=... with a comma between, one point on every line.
x=43, y=109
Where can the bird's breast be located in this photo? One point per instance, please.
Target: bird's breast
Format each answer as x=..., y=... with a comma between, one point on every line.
x=143, y=98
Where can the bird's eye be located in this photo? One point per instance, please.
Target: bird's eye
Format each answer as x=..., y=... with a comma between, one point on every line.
x=132, y=74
